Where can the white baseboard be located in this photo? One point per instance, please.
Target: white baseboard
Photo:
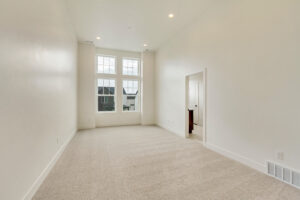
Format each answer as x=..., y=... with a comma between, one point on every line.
x=246, y=161
x=170, y=130
x=37, y=183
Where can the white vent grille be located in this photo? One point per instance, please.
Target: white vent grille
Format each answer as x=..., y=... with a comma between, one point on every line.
x=284, y=174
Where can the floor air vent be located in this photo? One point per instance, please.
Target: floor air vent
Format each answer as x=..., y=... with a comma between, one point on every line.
x=284, y=174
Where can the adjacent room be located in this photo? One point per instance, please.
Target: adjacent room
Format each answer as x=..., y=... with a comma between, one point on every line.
x=149, y=100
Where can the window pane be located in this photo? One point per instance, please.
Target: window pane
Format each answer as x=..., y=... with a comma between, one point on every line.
x=106, y=61
x=106, y=64
x=106, y=69
x=111, y=90
x=100, y=90
x=111, y=69
x=100, y=60
x=100, y=82
x=106, y=82
x=106, y=103
x=100, y=69
x=130, y=84
x=130, y=98
x=106, y=92
x=112, y=83
x=130, y=67
x=135, y=72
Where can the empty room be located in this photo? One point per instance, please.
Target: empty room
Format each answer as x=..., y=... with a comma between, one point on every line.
x=149, y=99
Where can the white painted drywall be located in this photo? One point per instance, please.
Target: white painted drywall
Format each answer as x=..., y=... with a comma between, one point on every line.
x=38, y=90
x=86, y=86
x=251, y=52
x=148, y=59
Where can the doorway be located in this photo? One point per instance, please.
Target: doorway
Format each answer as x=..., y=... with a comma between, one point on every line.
x=195, y=106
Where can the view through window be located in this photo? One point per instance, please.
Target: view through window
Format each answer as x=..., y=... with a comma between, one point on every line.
x=130, y=95
x=116, y=82
x=106, y=94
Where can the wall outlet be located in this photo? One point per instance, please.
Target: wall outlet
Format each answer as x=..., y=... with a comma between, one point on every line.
x=280, y=155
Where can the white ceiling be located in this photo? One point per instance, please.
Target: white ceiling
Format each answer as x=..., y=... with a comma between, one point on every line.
x=128, y=24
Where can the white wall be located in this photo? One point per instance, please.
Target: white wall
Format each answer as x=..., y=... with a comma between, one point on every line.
x=251, y=51
x=86, y=86
x=148, y=60
x=38, y=90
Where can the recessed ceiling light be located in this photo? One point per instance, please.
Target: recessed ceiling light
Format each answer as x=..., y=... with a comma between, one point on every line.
x=171, y=15
x=98, y=38
x=145, y=45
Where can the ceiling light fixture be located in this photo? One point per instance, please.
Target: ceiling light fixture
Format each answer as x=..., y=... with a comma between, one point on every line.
x=98, y=38
x=171, y=15
x=145, y=45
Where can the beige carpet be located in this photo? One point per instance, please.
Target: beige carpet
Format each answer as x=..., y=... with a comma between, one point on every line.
x=139, y=163
x=196, y=133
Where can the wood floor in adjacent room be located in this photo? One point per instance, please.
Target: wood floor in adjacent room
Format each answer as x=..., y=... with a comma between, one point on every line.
x=149, y=163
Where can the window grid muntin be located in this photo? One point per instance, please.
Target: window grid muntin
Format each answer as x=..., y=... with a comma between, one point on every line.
x=130, y=67
x=106, y=64
x=132, y=87
x=106, y=82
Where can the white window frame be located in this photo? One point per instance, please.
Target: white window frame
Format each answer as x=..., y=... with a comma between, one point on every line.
x=114, y=95
x=118, y=77
x=110, y=56
x=137, y=96
x=138, y=67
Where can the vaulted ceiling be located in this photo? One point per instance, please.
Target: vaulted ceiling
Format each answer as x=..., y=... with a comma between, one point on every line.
x=129, y=24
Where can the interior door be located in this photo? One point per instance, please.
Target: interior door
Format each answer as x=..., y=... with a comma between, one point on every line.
x=193, y=98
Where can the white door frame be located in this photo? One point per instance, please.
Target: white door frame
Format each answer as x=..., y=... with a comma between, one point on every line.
x=204, y=134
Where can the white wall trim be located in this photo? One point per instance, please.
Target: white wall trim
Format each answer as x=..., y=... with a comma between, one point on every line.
x=170, y=130
x=38, y=182
x=246, y=161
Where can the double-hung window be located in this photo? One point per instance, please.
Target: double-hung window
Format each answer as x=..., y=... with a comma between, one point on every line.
x=118, y=87
x=106, y=83
x=106, y=95
x=130, y=70
x=130, y=95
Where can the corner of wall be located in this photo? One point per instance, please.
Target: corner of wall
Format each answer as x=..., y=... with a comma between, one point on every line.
x=234, y=156
x=38, y=182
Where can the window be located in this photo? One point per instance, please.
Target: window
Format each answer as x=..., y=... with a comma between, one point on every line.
x=130, y=67
x=106, y=95
x=106, y=64
x=130, y=95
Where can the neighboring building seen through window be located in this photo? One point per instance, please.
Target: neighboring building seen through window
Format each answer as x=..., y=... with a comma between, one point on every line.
x=130, y=95
x=106, y=95
x=130, y=67
x=106, y=64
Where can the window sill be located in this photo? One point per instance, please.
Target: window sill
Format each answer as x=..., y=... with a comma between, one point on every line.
x=106, y=112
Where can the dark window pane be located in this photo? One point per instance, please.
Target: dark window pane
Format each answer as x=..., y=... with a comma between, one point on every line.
x=106, y=103
x=130, y=97
x=106, y=90
x=111, y=90
x=100, y=90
